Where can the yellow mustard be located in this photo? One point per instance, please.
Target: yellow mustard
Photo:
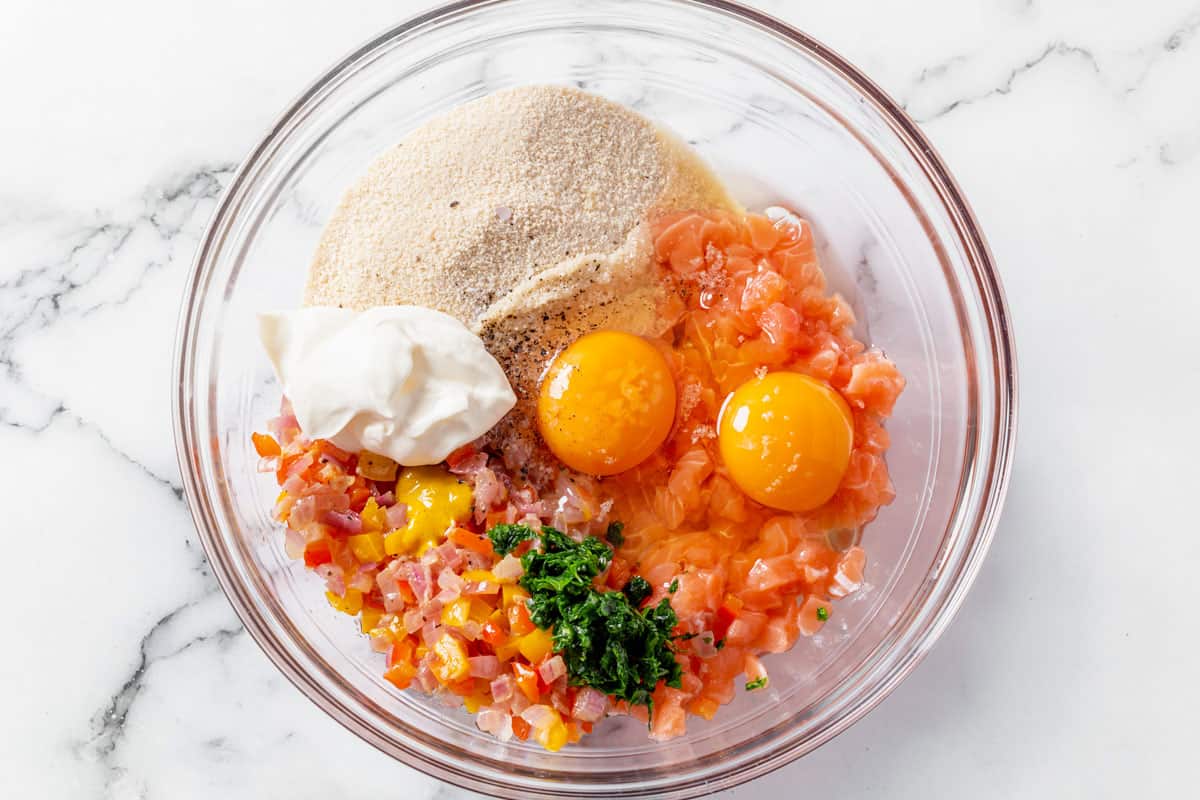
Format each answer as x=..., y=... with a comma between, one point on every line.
x=436, y=500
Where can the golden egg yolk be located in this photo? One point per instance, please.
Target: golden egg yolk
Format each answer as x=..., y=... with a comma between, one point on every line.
x=785, y=440
x=435, y=499
x=606, y=403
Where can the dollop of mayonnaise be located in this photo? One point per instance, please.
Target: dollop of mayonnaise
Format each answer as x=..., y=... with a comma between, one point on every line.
x=407, y=382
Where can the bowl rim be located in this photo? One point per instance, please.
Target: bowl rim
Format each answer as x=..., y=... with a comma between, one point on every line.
x=996, y=321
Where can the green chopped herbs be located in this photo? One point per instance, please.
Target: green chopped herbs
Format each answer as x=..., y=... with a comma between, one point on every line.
x=637, y=590
x=674, y=587
x=757, y=683
x=562, y=570
x=720, y=644
x=822, y=613
x=606, y=641
x=505, y=538
x=615, y=534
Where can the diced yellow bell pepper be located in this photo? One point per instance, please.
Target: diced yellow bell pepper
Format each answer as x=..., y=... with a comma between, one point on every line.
x=508, y=651
x=376, y=467
x=536, y=645
x=480, y=610
x=370, y=618
x=457, y=612
x=450, y=664
x=479, y=575
x=510, y=592
x=351, y=603
x=554, y=735
x=367, y=547
x=374, y=518
x=476, y=700
x=401, y=540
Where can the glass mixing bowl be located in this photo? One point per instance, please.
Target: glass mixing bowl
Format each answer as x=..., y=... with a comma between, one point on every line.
x=785, y=122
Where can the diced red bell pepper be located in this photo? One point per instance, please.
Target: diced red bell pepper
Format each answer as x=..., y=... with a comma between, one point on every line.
x=493, y=634
x=400, y=653
x=527, y=680
x=265, y=445
x=520, y=728
x=473, y=542
x=317, y=553
x=519, y=622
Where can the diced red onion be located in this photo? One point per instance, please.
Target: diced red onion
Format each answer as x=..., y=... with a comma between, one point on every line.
x=508, y=568
x=397, y=515
x=294, y=485
x=344, y=521
x=492, y=720
x=539, y=716
x=471, y=629
x=502, y=688
x=335, y=578
x=420, y=581
x=590, y=705
x=363, y=579
x=560, y=703
x=385, y=500
x=447, y=596
x=449, y=554
x=486, y=667
x=431, y=633
x=472, y=560
x=303, y=512
x=284, y=426
x=389, y=587
x=300, y=465
x=552, y=669
x=518, y=702
x=449, y=579
x=489, y=492
x=413, y=620
x=425, y=678
x=293, y=543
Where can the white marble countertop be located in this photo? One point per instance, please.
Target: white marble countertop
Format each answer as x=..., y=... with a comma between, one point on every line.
x=1071, y=670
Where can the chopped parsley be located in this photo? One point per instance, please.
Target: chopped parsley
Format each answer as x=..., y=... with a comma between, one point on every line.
x=720, y=644
x=683, y=637
x=822, y=613
x=615, y=534
x=505, y=538
x=757, y=683
x=674, y=587
x=606, y=641
x=637, y=590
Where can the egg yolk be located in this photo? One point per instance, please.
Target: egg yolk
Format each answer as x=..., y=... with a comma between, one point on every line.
x=435, y=499
x=785, y=440
x=606, y=403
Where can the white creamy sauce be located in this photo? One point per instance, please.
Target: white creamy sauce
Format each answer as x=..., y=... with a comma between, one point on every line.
x=407, y=382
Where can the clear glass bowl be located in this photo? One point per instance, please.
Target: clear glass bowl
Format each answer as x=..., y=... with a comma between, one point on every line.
x=785, y=121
